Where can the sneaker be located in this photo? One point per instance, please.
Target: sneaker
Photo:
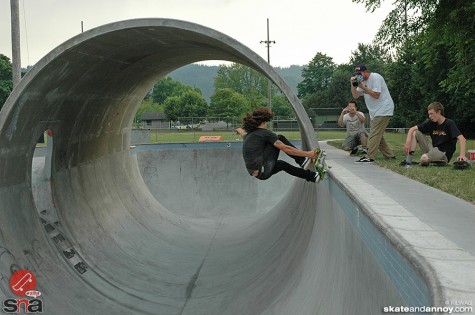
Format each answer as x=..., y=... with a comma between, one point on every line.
x=354, y=152
x=305, y=162
x=316, y=179
x=365, y=160
x=405, y=163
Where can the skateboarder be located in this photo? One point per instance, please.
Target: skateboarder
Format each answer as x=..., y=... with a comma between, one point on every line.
x=261, y=149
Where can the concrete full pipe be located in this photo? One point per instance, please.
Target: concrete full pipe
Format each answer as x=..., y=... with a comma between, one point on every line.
x=104, y=235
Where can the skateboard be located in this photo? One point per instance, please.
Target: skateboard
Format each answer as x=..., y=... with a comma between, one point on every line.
x=321, y=166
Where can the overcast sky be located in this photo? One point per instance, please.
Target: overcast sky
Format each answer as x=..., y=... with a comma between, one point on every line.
x=301, y=28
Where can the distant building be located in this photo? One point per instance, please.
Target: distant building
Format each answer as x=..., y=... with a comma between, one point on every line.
x=155, y=120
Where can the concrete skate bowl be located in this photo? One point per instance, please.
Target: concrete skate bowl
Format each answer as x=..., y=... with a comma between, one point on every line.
x=172, y=230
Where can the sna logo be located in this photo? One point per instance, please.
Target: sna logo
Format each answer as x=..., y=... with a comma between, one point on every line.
x=23, y=284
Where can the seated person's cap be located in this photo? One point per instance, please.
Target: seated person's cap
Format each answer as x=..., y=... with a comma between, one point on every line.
x=360, y=68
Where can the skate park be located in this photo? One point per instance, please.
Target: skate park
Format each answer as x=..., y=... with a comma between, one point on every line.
x=183, y=229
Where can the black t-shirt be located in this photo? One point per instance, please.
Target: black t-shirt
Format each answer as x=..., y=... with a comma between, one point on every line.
x=254, y=145
x=444, y=136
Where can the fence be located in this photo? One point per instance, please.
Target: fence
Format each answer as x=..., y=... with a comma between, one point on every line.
x=325, y=121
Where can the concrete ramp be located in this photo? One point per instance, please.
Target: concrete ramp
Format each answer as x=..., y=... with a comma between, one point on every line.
x=183, y=229
x=187, y=231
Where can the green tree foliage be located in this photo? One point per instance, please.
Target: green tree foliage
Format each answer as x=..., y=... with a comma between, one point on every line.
x=374, y=56
x=338, y=92
x=168, y=87
x=245, y=81
x=227, y=103
x=281, y=107
x=316, y=76
x=317, y=81
x=435, y=49
x=189, y=104
x=6, y=84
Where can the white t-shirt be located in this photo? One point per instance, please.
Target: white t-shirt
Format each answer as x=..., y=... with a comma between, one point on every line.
x=353, y=124
x=384, y=105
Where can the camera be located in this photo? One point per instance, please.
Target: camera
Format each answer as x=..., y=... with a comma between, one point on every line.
x=357, y=80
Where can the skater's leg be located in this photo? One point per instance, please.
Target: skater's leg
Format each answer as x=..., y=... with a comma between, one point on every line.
x=289, y=169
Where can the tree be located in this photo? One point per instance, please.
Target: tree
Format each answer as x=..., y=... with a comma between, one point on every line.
x=6, y=83
x=245, y=81
x=441, y=36
x=373, y=56
x=189, y=104
x=316, y=76
x=168, y=87
x=227, y=103
x=338, y=92
x=282, y=107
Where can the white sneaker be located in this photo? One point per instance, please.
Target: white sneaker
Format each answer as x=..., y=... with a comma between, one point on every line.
x=317, y=178
x=305, y=162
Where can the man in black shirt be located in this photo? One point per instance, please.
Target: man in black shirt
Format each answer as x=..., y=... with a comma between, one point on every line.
x=443, y=133
x=261, y=149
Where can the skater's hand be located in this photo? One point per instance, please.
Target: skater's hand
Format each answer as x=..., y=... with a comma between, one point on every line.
x=407, y=148
x=462, y=158
x=312, y=154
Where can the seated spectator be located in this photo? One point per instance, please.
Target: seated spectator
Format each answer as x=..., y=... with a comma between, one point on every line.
x=444, y=135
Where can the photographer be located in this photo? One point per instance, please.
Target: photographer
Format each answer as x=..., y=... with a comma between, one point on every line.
x=355, y=131
x=380, y=106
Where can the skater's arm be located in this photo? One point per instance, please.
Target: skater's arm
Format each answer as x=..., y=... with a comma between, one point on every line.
x=294, y=151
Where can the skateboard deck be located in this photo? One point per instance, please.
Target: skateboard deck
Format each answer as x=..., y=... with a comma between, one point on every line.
x=321, y=166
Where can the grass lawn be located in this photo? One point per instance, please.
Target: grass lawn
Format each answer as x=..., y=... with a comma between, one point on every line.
x=176, y=136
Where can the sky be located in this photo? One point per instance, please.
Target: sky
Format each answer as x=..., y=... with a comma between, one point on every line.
x=300, y=28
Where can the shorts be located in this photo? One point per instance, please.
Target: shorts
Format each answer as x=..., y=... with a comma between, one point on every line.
x=433, y=153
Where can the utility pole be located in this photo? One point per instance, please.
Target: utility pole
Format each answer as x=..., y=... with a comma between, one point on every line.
x=16, y=58
x=269, y=83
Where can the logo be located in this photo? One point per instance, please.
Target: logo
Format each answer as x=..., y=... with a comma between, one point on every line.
x=23, y=284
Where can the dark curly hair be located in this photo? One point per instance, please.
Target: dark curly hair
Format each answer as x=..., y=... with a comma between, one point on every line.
x=251, y=121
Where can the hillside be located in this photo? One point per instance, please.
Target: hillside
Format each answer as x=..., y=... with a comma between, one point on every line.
x=202, y=77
